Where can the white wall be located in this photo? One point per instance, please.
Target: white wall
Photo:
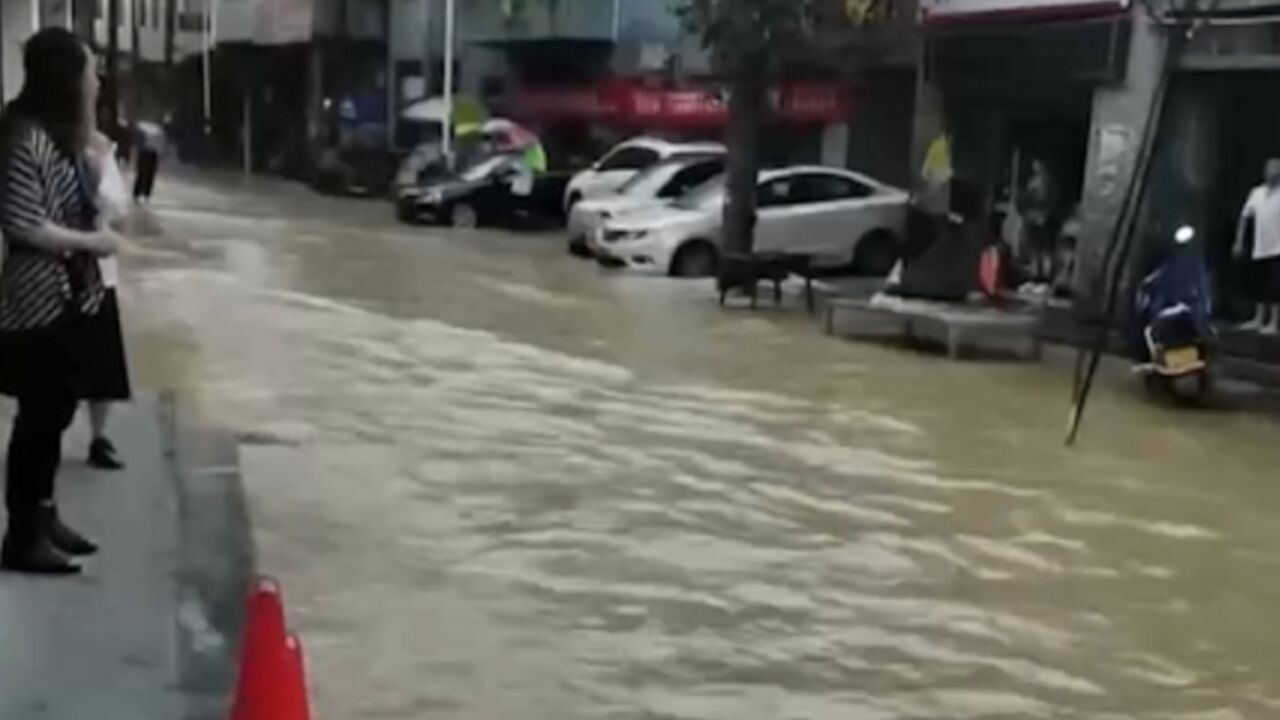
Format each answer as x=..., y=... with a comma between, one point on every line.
x=236, y=20
x=1119, y=114
x=19, y=19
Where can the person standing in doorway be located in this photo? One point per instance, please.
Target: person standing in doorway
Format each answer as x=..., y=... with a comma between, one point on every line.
x=1260, y=223
x=50, y=286
x=150, y=147
x=1038, y=200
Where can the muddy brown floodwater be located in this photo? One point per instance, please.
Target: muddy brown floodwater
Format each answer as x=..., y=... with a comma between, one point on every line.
x=498, y=483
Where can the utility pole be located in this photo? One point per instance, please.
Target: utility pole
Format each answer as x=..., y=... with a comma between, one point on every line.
x=135, y=62
x=393, y=90
x=112, y=89
x=210, y=28
x=428, y=47
x=450, y=30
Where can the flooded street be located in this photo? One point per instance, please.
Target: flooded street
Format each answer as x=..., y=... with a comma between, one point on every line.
x=498, y=483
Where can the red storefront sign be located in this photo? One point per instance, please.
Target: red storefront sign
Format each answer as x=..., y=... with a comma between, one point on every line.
x=813, y=102
x=562, y=103
x=632, y=104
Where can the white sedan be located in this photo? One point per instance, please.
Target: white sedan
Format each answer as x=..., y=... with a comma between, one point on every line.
x=837, y=217
x=652, y=188
x=623, y=162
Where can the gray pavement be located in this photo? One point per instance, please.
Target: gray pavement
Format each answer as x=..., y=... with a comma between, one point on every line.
x=144, y=633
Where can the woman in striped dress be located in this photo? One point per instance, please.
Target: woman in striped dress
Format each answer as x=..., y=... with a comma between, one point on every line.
x=50, y=289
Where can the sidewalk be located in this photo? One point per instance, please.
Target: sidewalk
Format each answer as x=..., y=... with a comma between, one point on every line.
x=147, y=631
x=1247, y=357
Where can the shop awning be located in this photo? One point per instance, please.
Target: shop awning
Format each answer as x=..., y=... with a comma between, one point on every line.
x=633, y=104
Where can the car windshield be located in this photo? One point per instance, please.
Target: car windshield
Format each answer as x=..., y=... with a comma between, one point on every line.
x=706, y=194
x=648, y=182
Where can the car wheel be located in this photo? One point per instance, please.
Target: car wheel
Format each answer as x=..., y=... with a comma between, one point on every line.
x=578, y=247
x=695, y=259
x=463, y=216
x=407, y=213
x=877, y=253
x=574, y=199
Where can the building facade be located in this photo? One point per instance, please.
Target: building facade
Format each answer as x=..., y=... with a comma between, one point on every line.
x=587, y=73
x=1221, y=124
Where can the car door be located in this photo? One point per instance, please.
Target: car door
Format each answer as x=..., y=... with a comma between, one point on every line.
x=822, y=214
x=838, y=211
x=779, y=208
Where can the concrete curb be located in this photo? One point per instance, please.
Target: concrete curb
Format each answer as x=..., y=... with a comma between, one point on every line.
x=215, y=559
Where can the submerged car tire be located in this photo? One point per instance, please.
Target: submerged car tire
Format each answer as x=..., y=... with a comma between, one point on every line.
x=695, y=259
x=463, y=216
x=578, y=247
x=407, y=213
x=878, y=251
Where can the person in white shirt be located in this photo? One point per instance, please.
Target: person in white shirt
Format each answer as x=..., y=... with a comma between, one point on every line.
x=1261, y=214
x=109, y=381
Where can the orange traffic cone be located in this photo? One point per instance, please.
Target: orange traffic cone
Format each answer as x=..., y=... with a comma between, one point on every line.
x=265, y=660
x=293, y=693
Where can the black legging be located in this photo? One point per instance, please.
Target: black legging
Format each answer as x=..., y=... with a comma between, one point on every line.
x=148, y=163
x=35, y=451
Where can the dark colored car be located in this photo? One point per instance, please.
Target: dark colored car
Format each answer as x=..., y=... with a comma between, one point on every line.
x=482, y=195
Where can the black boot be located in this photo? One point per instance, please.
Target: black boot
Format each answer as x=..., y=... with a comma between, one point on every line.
x=34, y=554
x=62, y=537
x=103, y=455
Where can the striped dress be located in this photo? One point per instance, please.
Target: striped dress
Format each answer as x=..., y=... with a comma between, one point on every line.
x=38, y=184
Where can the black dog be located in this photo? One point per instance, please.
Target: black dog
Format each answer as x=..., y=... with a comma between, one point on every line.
x=744, y=273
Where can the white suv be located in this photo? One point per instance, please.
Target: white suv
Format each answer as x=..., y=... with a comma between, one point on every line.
x=623, y=162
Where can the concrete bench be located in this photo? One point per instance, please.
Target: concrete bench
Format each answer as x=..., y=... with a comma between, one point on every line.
x=957, y=324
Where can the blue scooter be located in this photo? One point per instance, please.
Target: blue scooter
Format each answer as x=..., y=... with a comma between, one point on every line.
x=1174, y=328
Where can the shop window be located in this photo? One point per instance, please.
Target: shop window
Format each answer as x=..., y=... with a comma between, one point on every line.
x=631, y=158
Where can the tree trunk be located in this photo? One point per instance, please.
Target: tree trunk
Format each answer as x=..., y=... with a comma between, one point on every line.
x=393, y=81
x=746, y=114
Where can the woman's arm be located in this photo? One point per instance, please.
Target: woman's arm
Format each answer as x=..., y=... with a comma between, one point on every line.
x=57, y=239
x=25, y=202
